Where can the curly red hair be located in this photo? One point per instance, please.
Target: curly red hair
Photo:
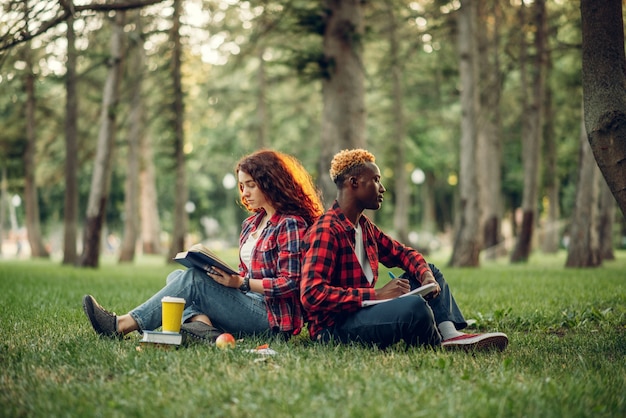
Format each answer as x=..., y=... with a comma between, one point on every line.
x=284, y=182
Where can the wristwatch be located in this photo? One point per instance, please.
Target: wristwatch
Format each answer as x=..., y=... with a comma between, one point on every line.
x=245, y=286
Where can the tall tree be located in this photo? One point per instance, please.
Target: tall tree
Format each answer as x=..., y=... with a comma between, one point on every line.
x=584, y=243
x=402, y=195
x=31, y=203
x=467, y=240
x=49, y=14
x=181, y=193
x=101, y=177
x=604, y=78
x=4, y=202
x=551, y=232
x=343, y=113
x=70, y=207
x=489, y=132
x=606, y=220
x=262, y=108
x=148, y=200
x=533, y=91
x=135, y=133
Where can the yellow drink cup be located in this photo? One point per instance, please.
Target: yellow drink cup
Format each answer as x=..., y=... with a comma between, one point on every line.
x=172, y=308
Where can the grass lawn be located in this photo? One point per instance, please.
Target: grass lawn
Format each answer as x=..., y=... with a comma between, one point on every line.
x=566, y=358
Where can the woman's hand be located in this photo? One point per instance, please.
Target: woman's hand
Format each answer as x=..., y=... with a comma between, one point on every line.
x=225, y=279
x=393, y=289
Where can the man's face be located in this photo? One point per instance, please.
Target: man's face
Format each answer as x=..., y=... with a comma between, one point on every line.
x=370, y=191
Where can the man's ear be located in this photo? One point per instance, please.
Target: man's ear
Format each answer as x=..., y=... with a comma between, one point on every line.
x=354, y=182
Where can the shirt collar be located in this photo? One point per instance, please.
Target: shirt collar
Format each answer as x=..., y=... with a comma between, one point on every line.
x=345, y=223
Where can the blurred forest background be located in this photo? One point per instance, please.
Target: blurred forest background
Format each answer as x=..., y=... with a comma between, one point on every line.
x=122, y=121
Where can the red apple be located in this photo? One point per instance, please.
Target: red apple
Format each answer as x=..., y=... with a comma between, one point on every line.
x=225, y=341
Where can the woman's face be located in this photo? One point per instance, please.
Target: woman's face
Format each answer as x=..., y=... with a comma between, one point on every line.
x=251, y=193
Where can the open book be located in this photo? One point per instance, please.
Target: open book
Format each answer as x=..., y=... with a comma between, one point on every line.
x=422, y=291
x=201, y=257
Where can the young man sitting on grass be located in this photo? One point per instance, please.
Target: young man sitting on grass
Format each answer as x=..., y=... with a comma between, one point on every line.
x=340, y=271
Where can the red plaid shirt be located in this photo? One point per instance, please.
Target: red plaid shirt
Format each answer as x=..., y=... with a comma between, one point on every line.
x=276, y=259
x=333, y=281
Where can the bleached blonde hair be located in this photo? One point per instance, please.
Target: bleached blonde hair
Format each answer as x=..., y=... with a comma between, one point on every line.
x=344, y=161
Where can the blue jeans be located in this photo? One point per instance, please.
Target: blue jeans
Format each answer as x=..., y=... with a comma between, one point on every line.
x=412, y=319
x=229, y=309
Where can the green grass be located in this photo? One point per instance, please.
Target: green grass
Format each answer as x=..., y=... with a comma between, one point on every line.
x=566, y=358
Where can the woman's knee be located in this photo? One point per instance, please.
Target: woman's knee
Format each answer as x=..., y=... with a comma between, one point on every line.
x=173, y=276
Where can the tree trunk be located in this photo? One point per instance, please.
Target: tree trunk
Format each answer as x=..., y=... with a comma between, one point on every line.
x=343, y=113
x=261, y=109
x=489, y=133
x=181, y=193
x=584, y=245
x=606, y=220
x=428, y=200
x=467, y=242
x=148, y=202
x=101, y=177
x=551, y=229
x=532, y=126
x=150, y=223
x=70, y=207
x=4, y=201
x=31, y=203
x=604, y=78
x=135, y=133
x=402, y=194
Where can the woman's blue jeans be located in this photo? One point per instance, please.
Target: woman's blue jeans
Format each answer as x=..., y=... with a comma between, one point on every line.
x=228, y=309
x=412, y=319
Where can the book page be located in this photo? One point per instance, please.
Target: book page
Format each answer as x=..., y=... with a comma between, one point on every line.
x=199, y=248
x=422, y=291
x=201, y=257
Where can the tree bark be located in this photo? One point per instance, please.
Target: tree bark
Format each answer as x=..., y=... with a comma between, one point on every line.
x=148, y=202
x=261, y=109
x=181, y=193
x=584, y=245
x=606, y=220
x=489, y=172
x=31, y=203
x=551, y=229
x=532, y=127
x=467, y=242
x=343, y=113
x=101, y=177
x=70, y=207
x=135, y=133
x=604, y=78
x=4, y=201
x=402, y=194
x=150, y=223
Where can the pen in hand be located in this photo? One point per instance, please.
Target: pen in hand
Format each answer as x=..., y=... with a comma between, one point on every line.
x=400, y=283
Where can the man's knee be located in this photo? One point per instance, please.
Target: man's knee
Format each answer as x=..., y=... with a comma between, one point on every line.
x=414, y=309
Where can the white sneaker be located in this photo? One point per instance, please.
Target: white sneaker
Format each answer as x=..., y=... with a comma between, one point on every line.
x=469, y=342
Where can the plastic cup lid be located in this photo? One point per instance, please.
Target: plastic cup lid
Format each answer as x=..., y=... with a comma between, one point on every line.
x=173, y=299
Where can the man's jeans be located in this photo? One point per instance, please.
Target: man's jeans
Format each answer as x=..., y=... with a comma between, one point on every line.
x=411, y=319
x=228, y=309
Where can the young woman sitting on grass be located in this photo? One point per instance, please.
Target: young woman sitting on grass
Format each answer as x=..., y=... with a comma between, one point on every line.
x=264, y=297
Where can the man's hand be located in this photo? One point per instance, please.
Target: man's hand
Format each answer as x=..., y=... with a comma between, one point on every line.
x=393, y=289
x=429, y=278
